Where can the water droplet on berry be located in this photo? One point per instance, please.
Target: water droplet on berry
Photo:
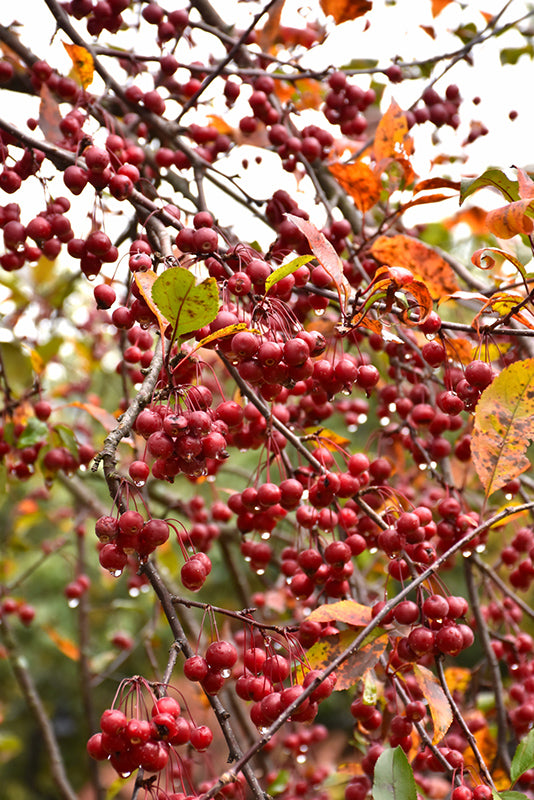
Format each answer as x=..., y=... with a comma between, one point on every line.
x=352, y=428
x=226, y=673
x=346, y=392
x=134, y=592
x=139, y=483
x=392, y=407
x=116, y=574
x=74, y=602
x=373, y=550
x=431, y=336
x=480, y=548
x=260, y=572
x=319, y=312
x=301, y=759
x=384, y=421
x=362, y=418
x=466, y=553
x=266, y=535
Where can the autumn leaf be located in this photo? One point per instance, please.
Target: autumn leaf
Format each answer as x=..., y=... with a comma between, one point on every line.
x=66, y=646
x=438, y=6
x=82, y=63
x=322, y=653
x=511, y=219
x=436, y=698
x=327, y=438
x=145, y=281
x=392, y=140
x=102, y=416
x=504, y=426
x=359, y=181
x=50, y=116
x=285, y=270
x=326, y=256
x=267, y=35
x=344, y=10
x=423, y=261
x=347, y=611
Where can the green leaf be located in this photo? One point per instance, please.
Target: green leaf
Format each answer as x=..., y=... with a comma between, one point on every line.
x=286, y=269
x=492, y=177
x=361, y=63
x=393, y=779
x=187, y=305
x=509, y=795
x=523, y=757
x=511, y=55
x=34, y=432
x=279, y=784
x=17, y=367
x=504, y=425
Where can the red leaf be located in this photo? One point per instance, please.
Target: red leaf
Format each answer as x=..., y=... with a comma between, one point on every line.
x=327, y=257
x=359, y=181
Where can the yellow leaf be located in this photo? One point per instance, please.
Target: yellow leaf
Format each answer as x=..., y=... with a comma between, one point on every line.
x=458, y=678
x=321, y=654
x=82, y=62
x=504, y=426
x=329, y=439
x=346, y=611
x=436, y=698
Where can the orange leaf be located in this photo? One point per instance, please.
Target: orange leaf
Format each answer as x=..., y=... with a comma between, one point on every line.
x=303, y=93
x=268, y=35
x=343, y=10
x=345, y=611
x=391, y=137
x=504, y=426
x=145, y=281
x=422, y=297
x=102, y=416
x=66, y=646
x=511, y=220
x=359, y=181
x=436, y=183
x=526, y=184
x=436, y=698
x=82, y=62
x=459, y=349
x=425, y=263
x=321, y=654
x=438, y=6
x=327, y=257
x=458, y=678
x=475, y=217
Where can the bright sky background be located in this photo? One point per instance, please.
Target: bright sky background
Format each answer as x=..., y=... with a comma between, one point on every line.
x=386, y=32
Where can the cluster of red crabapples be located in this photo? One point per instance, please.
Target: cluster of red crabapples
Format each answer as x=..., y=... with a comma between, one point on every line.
x=143, y=740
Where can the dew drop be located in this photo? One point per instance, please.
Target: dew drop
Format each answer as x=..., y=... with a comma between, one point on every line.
x=352, y=428
x=266, y=535
x=134, y=592
x=480, y=548
x=384, y=421
x=260, y=572
x=362, y=418
x=346, y=392
x=301, y=758
x=139, y=483
x=466, y=553
x=248, y=559
x=74, y=602
x=392, y=407
x=226, y=673
x=319, y=312
x=373, y=550
x=116, y=572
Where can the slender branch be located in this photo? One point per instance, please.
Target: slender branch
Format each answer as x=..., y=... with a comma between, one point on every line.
x=462, y=723
x=482, y=628
x=35, y=704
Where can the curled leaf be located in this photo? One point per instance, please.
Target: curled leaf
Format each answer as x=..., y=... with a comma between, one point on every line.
x=427, y=265
x=491, y=257
x=511, y=219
